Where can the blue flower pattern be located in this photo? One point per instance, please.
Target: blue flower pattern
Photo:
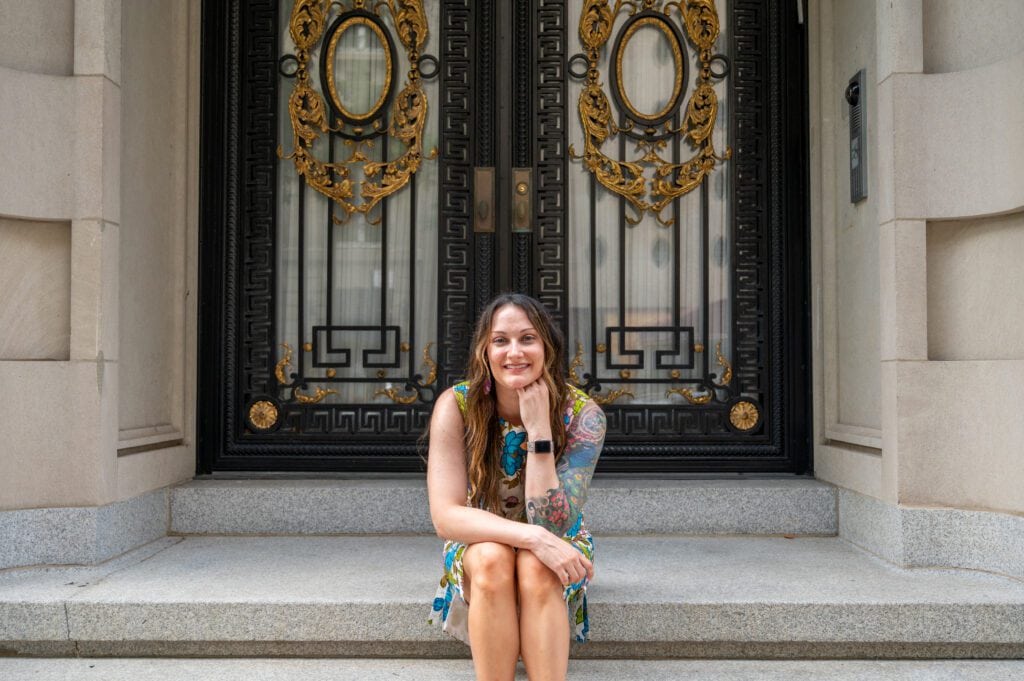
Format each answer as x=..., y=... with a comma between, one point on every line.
x=513, y=451
x=513, y=457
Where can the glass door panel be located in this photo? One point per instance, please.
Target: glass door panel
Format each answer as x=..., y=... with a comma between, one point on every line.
x=356, y=286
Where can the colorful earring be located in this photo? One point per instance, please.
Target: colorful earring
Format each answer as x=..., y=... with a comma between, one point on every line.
x=487, y=386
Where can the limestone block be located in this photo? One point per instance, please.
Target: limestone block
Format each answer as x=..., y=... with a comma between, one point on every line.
x=37, y=37
x=965, y=35
x=98, y=38
x=36, y=170
x=976, y=289
x=960, y=435
x=958, y=142
x=61, y=147
x=94, y=291
x=96, y=148
x=58, y=454
x=144, y=471
x=904, y=291
x=35, y=276
x=899, y=39
x=856, y=468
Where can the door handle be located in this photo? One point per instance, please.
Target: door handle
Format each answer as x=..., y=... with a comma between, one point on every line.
x=522, y=199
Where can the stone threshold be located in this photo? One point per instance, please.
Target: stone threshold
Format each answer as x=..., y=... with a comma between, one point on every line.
x=368, y=596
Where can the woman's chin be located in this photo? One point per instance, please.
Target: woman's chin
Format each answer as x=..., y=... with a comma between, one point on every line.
x=517, y=382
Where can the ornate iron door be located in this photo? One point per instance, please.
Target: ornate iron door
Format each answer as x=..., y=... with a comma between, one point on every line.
x=373, y=172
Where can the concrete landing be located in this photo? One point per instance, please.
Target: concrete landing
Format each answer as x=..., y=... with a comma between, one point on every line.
x=462, y=670
x=653, y=597
x=617, y=505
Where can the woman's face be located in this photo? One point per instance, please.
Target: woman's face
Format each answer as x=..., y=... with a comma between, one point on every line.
x=515, y=351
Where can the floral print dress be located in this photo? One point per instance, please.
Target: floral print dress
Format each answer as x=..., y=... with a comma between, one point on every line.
x=449, y=608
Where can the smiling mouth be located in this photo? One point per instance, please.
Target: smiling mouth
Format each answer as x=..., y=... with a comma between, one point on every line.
x=513, y=367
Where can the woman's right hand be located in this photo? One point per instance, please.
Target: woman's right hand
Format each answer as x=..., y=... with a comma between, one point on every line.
x=561, y=557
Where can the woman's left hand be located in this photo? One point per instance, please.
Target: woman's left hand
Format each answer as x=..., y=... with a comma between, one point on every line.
x=535, y=410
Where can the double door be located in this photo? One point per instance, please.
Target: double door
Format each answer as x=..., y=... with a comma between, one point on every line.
x=375, y=172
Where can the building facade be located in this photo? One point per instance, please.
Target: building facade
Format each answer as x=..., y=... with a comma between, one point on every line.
x=169, y=314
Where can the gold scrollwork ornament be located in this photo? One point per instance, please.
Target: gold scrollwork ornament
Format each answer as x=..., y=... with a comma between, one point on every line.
x=724, y=363
x=611, y=395
x=691, y=395
x=395, y=394
x=308, y=115
x=281, y=369
x=318, y=395
x=626, y=178
x=577, y=363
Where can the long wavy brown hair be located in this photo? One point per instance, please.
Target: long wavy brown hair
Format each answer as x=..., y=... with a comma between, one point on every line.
x=483, y=436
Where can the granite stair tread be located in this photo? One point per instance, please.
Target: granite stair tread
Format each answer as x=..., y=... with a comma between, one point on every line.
x=164, y=669
x=616, y=505
x=653, y=596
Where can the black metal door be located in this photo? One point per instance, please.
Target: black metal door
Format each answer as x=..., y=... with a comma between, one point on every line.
x=527, y=165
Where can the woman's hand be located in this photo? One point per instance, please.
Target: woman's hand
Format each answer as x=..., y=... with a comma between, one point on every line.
x=535, y=410
x=568, y=564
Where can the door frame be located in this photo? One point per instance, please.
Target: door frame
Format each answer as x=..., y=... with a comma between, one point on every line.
x=472, y=118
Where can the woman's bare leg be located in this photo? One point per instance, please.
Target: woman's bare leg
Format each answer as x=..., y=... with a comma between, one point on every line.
x=490, y=588
x=543, y=620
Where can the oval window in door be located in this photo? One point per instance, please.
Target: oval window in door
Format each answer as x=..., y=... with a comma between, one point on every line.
x=358, y=67
x=649, y=69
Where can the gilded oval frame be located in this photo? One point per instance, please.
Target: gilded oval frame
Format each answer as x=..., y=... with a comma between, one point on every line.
x=677, y=44
x=328, y=82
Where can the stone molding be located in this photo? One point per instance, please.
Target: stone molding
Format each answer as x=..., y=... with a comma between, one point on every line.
x=934, y=537
x=81, y=535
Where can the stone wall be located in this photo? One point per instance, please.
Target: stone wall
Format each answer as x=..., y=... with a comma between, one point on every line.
x=946, y=159
x=97, y=334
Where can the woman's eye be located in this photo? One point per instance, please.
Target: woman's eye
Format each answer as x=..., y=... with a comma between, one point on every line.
x=498, y=341
x=529, y=339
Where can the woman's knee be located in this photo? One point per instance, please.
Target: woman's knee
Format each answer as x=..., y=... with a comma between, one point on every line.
x=534, y=578
x=490, y=566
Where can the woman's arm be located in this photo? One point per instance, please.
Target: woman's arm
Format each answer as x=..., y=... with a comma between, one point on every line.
x=447, y=484
x=557, y=507
x=446, y=488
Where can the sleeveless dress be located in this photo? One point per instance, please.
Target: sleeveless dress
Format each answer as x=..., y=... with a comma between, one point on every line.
x=449, y=607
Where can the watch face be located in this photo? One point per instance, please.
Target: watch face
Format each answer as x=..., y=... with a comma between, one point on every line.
x=542, y=446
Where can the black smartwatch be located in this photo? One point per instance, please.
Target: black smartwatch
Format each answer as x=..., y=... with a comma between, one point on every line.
x=539, y=446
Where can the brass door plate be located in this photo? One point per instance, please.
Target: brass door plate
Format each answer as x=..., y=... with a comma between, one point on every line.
x=522, y=199
x=483, y=199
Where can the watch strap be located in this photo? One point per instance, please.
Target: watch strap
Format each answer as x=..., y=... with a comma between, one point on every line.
x=539, y=447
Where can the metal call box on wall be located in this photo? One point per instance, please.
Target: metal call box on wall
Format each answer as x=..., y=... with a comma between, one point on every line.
x=855, y=97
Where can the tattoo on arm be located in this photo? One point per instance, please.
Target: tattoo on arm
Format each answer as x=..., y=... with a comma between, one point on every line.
x=559, y=508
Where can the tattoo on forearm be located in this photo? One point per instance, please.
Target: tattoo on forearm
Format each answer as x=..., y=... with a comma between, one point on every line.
x=558, y=509
x=552, y=511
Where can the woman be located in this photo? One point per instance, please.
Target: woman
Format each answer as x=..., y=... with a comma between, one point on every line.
x=512, y=451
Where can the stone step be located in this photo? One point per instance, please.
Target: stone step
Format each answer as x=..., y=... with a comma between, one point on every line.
x=617, y=505
x=162, y=669
x=369, y=596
